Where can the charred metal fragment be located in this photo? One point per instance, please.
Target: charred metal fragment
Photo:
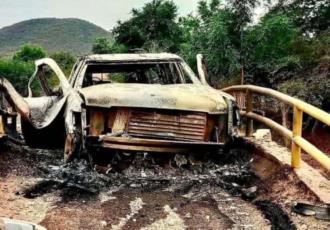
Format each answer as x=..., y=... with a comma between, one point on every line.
x=14, y=98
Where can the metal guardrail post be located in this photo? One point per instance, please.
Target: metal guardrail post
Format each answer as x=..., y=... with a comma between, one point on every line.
x=2, y=129
x=296, y=132
x=249, y=108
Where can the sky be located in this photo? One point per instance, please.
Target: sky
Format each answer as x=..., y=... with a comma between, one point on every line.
x=104, y=13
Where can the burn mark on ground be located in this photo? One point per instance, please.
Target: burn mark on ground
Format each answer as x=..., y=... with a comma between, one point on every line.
x=274, y=213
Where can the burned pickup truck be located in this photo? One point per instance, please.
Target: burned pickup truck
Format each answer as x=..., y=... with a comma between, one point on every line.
x=125, y=102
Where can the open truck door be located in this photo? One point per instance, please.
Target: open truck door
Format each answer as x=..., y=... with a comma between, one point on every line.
x=45, y=120
x=48, y=90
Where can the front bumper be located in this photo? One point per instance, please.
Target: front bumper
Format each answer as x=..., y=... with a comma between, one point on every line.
x=148, y=145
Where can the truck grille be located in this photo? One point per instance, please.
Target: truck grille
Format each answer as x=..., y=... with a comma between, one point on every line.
x=167, y=125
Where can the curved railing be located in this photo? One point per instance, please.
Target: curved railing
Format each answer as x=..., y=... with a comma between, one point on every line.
x=295, y=135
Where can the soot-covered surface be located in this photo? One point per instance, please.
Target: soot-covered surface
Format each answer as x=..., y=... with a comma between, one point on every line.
x=140, y=191
x=143, y=172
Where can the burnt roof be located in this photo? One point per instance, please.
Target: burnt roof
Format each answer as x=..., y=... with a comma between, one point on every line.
x=133, y=57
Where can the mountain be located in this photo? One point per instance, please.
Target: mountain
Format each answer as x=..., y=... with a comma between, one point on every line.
x=53, y=34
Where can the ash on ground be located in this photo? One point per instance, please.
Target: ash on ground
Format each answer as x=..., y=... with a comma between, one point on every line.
x=149, y=172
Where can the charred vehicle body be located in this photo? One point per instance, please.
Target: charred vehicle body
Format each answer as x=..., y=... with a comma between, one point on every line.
x=8, y=119
x=128, y=102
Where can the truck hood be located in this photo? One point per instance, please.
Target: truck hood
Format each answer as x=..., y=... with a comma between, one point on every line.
x=190, y=97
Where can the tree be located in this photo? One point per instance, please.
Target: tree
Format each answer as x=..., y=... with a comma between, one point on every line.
x=153, y=28
x=314, y=89
x=189, y=26
x=243, y=13
x=29, y=52
x=268, y=44
x=65, y=60
x=312, y=16
x=18, y=73
x=217, y=33
x=221, y=54
x=107, y=46
x=19, y=70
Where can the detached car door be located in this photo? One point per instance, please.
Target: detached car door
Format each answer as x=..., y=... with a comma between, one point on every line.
x=48, y=90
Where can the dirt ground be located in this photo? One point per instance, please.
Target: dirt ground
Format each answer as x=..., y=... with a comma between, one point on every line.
x=151, y=192
x=282, y=187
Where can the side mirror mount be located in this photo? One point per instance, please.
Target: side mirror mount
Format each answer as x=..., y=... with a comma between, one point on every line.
x=201, y=69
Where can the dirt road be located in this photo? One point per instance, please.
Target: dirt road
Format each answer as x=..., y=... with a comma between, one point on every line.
x=149, y=192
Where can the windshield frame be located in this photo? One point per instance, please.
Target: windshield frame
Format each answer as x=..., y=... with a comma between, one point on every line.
x=78, y=81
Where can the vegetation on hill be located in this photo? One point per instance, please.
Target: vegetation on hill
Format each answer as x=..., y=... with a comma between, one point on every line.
x=29, y=53
x=108, y=45
x=70, y=35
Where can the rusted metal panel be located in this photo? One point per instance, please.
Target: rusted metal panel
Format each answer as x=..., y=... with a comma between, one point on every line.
x=175, y=126
x=211, y=124
x=97, y=121
x=152, y=145
x=155, y=130
x=121, y=120
x=160, y=124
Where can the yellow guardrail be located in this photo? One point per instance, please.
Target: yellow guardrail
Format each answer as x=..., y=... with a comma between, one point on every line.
x=2, y=128
x=299, y=107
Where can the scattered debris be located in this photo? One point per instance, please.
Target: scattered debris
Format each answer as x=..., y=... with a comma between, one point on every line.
x=102, y=169
x=147, y=172
x=322, y=213
x=275, y=214
x=249, y=193
x=180, y=160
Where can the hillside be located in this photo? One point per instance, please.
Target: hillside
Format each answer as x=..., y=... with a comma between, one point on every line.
x=73, y=35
